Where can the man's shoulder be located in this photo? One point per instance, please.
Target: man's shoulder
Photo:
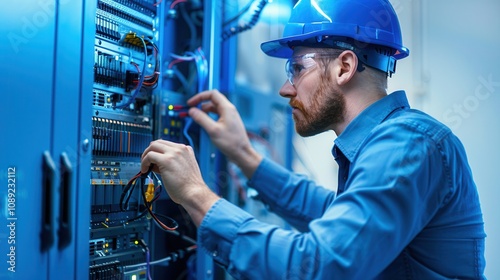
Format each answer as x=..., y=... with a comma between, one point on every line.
x=414, y=121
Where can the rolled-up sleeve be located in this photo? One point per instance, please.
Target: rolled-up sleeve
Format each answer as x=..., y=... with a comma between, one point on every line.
x=292, y=196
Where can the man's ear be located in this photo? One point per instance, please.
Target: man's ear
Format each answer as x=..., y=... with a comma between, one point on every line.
x=345, y=67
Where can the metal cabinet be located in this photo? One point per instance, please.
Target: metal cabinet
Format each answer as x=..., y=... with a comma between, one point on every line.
x=43, y=152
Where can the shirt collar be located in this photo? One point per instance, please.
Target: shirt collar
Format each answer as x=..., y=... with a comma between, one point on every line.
x=356, y=132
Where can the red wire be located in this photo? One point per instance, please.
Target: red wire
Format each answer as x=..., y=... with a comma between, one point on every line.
x=136, y=66
x=157, y=3
x=176, y=2
x=173, y=62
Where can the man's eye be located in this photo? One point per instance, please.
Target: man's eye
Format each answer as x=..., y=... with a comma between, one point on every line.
x=297, y=68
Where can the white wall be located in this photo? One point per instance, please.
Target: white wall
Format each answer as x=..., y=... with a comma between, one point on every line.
x=453, y=73
x=462, y=52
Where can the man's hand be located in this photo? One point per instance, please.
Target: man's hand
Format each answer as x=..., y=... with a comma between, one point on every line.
x=181, y=176
x=227, y=133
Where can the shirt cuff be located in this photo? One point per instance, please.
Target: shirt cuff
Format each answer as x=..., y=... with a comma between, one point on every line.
x=219, y=229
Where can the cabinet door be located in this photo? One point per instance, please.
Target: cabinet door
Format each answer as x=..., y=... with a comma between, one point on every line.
x=84, y=137
x=72, y=109
x=26, y=115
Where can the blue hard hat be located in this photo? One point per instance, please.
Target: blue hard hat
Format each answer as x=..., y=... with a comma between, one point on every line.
x=362, y=23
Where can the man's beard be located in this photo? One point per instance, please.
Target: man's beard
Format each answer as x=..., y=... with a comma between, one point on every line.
x=327, y=108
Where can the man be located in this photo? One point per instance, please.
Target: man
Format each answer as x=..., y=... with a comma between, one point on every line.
x=406, y=205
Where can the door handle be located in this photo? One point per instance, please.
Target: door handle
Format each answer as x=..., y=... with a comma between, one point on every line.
x=65, y=203
x=48, y=176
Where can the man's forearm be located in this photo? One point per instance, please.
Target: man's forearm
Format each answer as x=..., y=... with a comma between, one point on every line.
x=198, y=204
x=248, y=161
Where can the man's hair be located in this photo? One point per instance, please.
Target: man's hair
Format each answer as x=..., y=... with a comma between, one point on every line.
x=377, y=77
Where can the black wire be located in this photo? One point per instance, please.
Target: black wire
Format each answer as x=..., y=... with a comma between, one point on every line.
x=140, y=178
x=182, y=236
x=172, y=222
x=244, y=27
x=191, y=27
x=127, y=192
x=240, y=13
x=143, y=213
x=153, y=215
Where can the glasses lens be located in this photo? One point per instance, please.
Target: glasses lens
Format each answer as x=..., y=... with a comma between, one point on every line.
x=295, y=66
x=289, y=71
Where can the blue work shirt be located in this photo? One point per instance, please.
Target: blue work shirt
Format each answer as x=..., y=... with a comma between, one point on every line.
x=406, y=208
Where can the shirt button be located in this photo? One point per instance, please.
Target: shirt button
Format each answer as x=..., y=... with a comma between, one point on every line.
x=214, y=254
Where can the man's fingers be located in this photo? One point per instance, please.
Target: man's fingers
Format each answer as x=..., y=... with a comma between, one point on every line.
x=202, y=119
x=149, y=158
x=209, y=107
x=156, y=148
x=214, y=96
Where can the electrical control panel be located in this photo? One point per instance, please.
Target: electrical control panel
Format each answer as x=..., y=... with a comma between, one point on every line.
x=126, y=78
x=143, y=75
x=150, y=58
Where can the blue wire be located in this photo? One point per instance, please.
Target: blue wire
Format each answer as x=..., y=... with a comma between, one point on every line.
x=148, y=263
x=189, y=122
x=201, y=69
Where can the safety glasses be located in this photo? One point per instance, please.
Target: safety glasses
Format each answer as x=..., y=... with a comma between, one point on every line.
x=297, y=66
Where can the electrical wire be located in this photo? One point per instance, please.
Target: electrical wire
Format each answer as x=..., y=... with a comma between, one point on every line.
x=172, y=66
x=166, y=259
x=127, y=192
x=148, y=270
x=202, y=71
x=152, y=80
x=174, y=62
x=240, y=13
x=182, y=57
x=247, y=26
x=148, y=256
x=185, y=131
x=139, y=86
x=140, y=179
x=190, y=25
x=182, y=236
x=145, y=212
x=174, y=3
x=197, y=17
x=153, y=215
x=202, y=68
x=181, y=78
x=198, y=56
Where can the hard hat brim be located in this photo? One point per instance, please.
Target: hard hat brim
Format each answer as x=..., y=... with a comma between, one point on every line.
x=280, y=48
x=277, y=48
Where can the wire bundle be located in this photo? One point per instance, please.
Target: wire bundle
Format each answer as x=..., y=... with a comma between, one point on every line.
x=144, y=80
x=152, y=80
x=149, y=196
x=246, y=26
x=198, y=56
